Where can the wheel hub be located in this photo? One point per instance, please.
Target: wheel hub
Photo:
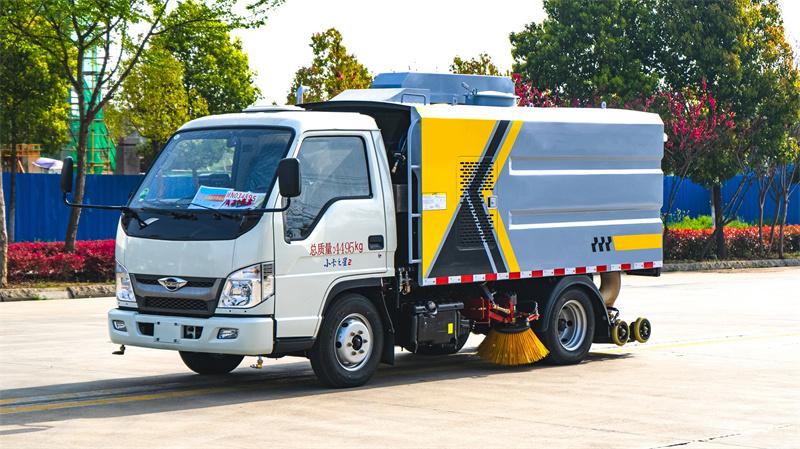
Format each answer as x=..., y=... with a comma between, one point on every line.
x=572, y=324
x=353, y=342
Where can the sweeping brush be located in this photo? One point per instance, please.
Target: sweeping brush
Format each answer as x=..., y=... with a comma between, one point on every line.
x=512, y=345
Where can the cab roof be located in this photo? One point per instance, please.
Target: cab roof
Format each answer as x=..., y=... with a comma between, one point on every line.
x=300, y=120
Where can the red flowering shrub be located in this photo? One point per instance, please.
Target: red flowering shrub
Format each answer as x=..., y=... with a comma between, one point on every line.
x=686, y=244
x=98, y=258
x=93, y=261
x=791, y=238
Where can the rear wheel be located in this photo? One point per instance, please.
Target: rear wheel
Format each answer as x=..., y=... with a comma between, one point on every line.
x=570, y=328
x=203, y=363
x=349, y=344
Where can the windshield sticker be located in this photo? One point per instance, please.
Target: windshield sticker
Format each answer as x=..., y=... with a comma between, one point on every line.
x=143, y=194
x=241, y=200
x=222, y=198
x=209, y=198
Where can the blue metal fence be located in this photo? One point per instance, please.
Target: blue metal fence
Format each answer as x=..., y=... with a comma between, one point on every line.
x=694, y=200
x=42, y=216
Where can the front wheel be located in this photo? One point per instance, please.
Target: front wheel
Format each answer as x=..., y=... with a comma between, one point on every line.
x=570, y=328
x=211, y=364
x=349, y=343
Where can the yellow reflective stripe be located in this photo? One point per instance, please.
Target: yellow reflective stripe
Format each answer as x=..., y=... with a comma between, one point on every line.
x=639, y=241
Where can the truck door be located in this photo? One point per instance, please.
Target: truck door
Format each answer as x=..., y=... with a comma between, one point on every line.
x=335, y=229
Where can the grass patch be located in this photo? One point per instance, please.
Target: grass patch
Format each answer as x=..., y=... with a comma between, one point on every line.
x=703, y=222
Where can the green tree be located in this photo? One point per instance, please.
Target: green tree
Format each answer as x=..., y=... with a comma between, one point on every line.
x=695, y=124
x=482, y=65
x=33, y=107
x=588, y=47
x=739, y=47
x=331, y=72
x=785, y=180
x=153, y=102
x=89, y=34
x=214, y=66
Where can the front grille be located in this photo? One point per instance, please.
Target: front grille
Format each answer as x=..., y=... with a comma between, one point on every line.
x=201, y=284
x=155, y=302
x=155, y=299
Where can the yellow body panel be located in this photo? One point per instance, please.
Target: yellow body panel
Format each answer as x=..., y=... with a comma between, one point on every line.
x=446, y=143
x=641, y=241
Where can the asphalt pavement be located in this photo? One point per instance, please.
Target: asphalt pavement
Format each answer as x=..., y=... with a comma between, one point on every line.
x=722, y=370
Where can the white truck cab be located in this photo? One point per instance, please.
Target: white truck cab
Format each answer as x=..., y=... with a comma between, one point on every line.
x=215, y=276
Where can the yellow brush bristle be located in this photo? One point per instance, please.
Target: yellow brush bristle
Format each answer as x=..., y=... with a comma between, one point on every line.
x=512, y=349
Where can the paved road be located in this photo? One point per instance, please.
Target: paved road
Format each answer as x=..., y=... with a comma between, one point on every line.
x=722, y=370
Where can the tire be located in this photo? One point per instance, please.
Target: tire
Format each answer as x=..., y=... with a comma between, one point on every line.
x=570, y=328
x=444, y=349
x=210, y=364
x=349, y=344
x=620, y=333
x=640, y=329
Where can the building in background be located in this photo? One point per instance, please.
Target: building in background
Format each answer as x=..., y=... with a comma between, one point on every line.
x=27, y=154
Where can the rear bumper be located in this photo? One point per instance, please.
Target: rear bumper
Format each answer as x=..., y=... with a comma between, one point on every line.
x=255, y=335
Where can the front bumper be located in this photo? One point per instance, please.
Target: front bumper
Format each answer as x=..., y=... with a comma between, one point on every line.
x=255, y=334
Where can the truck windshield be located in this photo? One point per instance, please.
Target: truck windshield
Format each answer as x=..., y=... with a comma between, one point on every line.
x=214, y=169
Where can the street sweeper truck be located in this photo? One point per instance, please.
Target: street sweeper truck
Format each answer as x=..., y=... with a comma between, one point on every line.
x=410, y=214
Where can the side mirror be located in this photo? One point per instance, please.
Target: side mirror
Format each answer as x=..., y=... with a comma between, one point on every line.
x=288, y=177
x=66, y=176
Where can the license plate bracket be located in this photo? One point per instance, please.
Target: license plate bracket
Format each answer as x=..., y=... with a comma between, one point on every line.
x=167, y=332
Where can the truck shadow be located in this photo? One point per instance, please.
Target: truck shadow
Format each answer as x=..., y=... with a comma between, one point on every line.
x=25, y=410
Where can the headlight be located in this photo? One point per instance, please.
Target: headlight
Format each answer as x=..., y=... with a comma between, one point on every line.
x=124, y=287
x=248, y=287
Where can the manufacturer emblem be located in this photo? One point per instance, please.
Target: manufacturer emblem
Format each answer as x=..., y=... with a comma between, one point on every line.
x=172, y=284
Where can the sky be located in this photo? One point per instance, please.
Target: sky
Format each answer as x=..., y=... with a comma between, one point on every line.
x=401, y=35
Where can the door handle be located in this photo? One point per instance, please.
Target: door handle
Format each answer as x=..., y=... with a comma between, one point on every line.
x=375, y=242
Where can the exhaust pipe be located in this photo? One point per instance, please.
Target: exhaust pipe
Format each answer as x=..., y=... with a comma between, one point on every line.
x=610, y=284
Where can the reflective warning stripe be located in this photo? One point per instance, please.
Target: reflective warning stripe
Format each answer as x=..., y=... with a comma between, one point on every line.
x=634, y=242
x=539, y=273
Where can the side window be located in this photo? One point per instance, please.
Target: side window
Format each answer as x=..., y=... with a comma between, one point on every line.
x=332, y=168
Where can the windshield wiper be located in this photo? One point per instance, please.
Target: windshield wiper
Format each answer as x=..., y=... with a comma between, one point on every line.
x=142, y=223
x=217, y=214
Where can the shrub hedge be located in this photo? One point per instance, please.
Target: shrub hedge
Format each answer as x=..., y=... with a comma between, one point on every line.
x=93, y=261
x=686, y=244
